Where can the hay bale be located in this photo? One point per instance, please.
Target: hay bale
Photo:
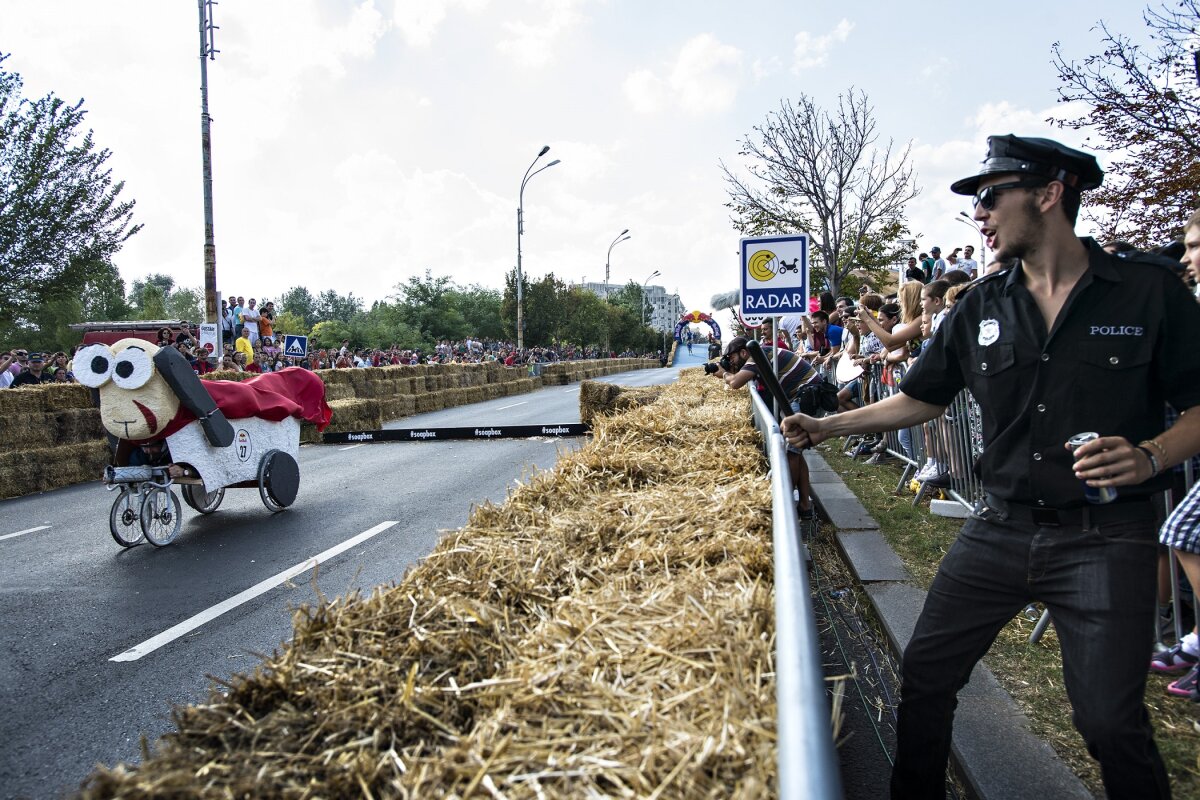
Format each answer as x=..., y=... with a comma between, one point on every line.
x=39, y=470
x=78, y=426
x=602, y=399
x=23, y=400
x=430, y=401
x=28, y=431
x=397, y=407
x=595, y=635
x=338, y=391
x=60, y=397
x=355, y=415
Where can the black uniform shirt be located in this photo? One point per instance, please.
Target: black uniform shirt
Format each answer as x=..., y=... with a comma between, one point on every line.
x=1124, y=344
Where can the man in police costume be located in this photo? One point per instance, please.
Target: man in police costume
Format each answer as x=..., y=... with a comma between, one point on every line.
x=1068, y=340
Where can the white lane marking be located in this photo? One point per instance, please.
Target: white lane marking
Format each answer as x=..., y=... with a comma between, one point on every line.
x=514, y=405
x=22, y=533
x=576, y=389
x=351, y=447
x=211, y=613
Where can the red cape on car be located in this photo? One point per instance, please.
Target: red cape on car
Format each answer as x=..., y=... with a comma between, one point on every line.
x=291, y=392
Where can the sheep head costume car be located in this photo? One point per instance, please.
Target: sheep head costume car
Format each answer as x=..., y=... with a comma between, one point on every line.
x=141, y=388
x=146, y=392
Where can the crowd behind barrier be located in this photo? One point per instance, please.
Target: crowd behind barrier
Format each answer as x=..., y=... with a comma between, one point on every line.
x=20, y=367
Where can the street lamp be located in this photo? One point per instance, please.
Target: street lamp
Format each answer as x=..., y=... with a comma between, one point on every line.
x=966, y=219
x=652, y=275
x=521, y=229
x=615, y=242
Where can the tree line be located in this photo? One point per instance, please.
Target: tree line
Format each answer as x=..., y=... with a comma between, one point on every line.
x=424, y=310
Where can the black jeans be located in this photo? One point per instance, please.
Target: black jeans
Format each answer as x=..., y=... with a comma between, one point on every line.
x=1099, y=585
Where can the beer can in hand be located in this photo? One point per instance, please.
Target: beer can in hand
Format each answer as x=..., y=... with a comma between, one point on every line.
x=1093, y=494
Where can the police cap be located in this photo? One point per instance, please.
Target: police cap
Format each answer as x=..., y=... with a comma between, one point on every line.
x=1036, y=157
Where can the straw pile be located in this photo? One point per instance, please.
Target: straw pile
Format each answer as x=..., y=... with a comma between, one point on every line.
x=596, y=399
x=607, y=631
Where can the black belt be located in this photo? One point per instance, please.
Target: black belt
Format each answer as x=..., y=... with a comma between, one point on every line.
x=1086, y=516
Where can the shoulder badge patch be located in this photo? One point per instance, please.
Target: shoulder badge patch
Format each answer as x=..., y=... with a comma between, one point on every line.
x=989, y=331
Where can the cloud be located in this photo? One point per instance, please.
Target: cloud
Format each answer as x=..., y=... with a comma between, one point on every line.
x=704, y=78
x=765, y=68
x=645, y=91
x=532, y=44
x=936, y=67
x=813, y=51
x=419, y=20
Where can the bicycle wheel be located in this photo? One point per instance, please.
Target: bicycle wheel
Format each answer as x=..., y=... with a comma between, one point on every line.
x=123, y=519
x=160, y=516
x=204, y=502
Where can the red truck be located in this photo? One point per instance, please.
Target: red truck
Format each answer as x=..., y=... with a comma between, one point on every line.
x=113, y=332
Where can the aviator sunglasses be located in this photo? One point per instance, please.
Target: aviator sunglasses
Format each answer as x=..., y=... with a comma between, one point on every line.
x=986, y=197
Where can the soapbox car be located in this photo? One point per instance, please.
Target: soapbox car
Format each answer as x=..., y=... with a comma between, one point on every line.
x=205, y=436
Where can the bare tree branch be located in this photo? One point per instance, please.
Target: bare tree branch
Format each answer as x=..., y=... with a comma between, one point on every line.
x=1144, y=105
x=822, y=173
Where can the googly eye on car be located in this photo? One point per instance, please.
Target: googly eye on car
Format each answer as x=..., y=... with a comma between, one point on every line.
x=132, y=368
x=93, y=365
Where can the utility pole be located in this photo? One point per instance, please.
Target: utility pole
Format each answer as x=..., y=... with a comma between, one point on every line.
x=207, y=51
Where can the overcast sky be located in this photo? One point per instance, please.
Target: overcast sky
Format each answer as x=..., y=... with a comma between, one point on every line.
x=357, y=143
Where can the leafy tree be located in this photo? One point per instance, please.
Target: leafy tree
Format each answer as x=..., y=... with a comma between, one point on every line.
x=633, y=298
x=480, y=307
x=587, y=322
x=821, y=173
x=427, y=305
x=58, y=201
x=331, y=305
x=165, y=284
x=287, y=322
x=152, y=305
x=300, y=302
x=1143, y=105
x=545, y=311
x=186, y=304
x=103, y=293
x=879, y=252
x=329, y=333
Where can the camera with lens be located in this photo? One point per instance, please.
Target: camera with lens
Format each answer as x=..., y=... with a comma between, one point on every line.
x=725, y=365
x=710, y=369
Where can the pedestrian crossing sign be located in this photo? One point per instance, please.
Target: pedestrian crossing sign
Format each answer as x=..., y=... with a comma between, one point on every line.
x=295, y=346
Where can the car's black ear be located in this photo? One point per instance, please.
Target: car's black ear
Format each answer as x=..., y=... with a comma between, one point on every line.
x=188, y=387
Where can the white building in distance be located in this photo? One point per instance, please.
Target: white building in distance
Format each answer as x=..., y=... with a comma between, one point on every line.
x=666, y=308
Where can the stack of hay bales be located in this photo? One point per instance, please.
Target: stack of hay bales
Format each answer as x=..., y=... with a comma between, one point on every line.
x=607, y=631
x=563, y=372
x=49, y=436
x=597, y=399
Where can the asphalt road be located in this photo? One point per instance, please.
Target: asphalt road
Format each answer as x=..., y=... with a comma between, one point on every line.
x=72, y=601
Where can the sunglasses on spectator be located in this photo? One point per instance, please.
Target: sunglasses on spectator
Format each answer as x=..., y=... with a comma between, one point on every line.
x=986, y=196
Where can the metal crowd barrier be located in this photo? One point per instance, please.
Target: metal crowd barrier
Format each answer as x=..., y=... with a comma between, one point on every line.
x=954, y=440
x=806, y=755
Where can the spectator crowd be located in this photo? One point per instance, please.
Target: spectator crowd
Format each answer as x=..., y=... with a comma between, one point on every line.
x=249, y=343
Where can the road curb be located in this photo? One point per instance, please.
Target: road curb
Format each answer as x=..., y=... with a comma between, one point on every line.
x=991, y=733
